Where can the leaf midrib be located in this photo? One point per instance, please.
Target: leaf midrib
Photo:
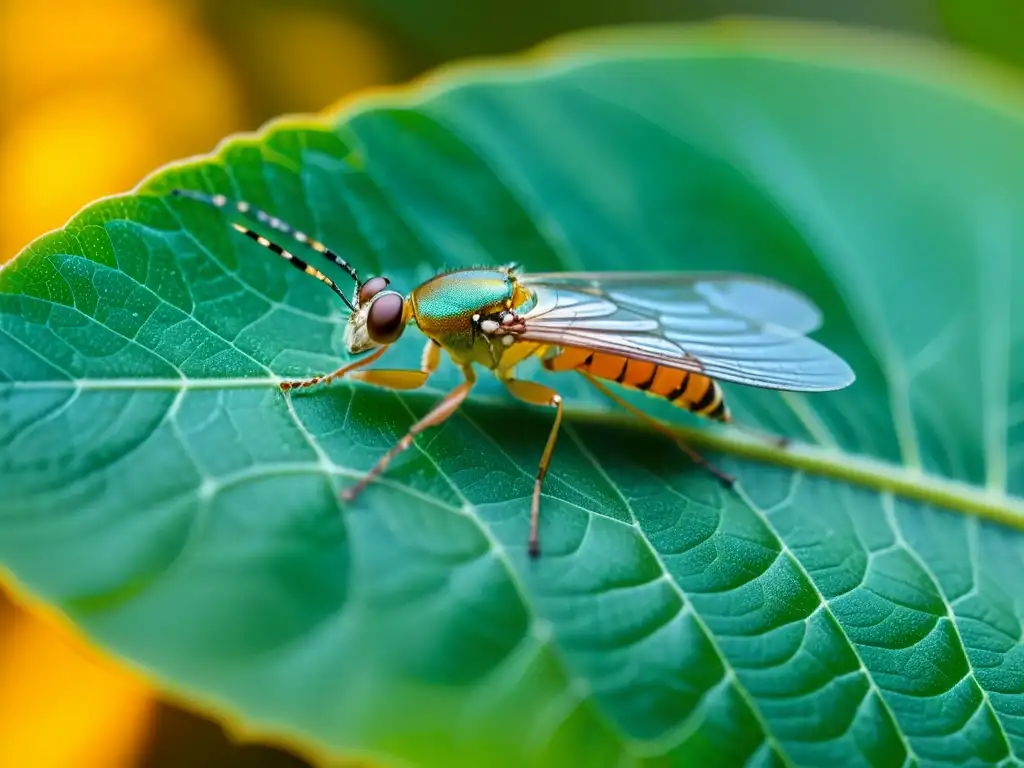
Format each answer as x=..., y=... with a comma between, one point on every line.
x=872, y=474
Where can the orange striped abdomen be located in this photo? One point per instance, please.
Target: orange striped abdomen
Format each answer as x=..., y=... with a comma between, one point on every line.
x=692, y=391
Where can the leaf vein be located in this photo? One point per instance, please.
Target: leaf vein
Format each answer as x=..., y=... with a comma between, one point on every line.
x=741, y=690
x=888, y=504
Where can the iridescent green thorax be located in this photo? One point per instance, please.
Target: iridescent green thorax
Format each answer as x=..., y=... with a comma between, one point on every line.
x=444, y=305
x=452, y=308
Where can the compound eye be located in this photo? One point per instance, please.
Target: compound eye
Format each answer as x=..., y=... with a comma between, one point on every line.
x=371, y=288
x=384, y=320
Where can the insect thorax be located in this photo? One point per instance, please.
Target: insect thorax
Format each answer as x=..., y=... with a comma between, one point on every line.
x=445, y=306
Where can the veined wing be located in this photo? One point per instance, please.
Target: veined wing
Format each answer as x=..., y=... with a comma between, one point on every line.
x=731, y=327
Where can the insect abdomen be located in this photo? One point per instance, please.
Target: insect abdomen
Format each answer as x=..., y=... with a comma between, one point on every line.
x=692, y=391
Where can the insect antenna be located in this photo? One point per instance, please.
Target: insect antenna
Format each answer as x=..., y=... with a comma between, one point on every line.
x=295, y=261
x=261, y=217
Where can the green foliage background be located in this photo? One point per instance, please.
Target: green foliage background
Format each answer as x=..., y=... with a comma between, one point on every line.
x=167, y=497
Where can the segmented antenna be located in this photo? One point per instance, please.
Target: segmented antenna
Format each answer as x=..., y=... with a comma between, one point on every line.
x=256, y=215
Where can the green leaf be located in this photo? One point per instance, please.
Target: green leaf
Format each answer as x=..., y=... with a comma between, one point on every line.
x=856, y=601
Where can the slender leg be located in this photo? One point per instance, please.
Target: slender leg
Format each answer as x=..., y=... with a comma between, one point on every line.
x=437, y=415
x=388, y=379
x=400, y=379
x=328, y=378
x=727, y=480
x=537, y=394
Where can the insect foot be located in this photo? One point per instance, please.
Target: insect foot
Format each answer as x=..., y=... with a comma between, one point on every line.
x=287, y=386
x=727, y=481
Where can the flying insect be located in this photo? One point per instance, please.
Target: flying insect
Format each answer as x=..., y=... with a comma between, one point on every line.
x=673, y=335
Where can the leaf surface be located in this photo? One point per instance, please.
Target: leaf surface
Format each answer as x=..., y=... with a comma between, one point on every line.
x=856, y=601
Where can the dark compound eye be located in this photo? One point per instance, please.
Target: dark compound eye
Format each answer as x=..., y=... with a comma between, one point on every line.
x=384, y=321
x=371, y=288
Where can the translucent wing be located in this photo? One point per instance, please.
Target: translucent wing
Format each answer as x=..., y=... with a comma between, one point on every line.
x=731, y=327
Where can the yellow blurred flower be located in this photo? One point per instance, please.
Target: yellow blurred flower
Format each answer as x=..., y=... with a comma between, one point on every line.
x=61, y=707
x=96, y=95
x=306, y=58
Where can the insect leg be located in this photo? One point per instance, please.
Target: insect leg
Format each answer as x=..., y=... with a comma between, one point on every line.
x=327, y=378
x=386, y=378
x=537, y=394
x=727, y=480
x=440, y=412
x=255, y=214
x=404, y=379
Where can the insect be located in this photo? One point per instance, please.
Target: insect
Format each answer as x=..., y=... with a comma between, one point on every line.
x=672, y=335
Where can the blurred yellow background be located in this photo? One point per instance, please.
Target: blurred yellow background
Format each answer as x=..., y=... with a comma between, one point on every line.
x=94, y=96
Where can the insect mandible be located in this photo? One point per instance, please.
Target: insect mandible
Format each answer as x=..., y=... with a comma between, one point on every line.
x=672, y=335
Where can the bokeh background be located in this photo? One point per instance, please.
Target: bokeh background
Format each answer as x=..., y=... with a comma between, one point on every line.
x=94, y=96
